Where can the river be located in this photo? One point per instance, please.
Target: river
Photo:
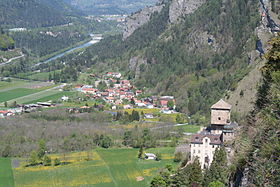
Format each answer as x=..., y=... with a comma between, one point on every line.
x=95, y=39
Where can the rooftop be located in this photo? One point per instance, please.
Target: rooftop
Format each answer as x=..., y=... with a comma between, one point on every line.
x=221, y=104
x=214, y=138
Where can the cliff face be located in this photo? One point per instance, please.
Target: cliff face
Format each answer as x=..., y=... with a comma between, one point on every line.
x=138, y=19
x=179, y=8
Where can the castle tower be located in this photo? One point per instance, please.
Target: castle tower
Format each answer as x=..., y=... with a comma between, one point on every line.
x=220, y=116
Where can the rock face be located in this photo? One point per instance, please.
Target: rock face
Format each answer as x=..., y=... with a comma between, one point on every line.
x=179, y=8
x=138, y=19
x=135, y=63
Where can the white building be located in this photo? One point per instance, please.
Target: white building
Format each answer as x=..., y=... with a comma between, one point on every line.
x=203, y=146
x=150, y=156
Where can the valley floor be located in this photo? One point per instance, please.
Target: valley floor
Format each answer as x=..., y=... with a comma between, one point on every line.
x=107, y=167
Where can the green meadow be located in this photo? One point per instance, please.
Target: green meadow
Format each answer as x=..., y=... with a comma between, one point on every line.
x=6, y=173
x=107, y=167
x=189, y=128
x=15, y=93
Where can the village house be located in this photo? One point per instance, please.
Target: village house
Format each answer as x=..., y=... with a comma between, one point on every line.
x=221, y=130
x=163, y=101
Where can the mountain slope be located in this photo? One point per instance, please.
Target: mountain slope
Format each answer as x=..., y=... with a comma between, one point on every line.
x=33, y=13
x=196, y=59
x=258, y=145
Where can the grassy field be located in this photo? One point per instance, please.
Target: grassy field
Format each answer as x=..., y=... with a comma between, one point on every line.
x=6, y=173
x=15, y=93
x=52, y=97
x=108, y=167
x=189, y=128
x=13, y=84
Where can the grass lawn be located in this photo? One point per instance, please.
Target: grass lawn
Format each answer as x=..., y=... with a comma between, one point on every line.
x=15, y=93
x=6, y=173
x=108, y=167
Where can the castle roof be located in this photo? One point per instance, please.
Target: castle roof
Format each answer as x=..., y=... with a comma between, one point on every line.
x=215, y=139
x=221, y=104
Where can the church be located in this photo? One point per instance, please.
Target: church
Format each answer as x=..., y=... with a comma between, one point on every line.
x=220, y=130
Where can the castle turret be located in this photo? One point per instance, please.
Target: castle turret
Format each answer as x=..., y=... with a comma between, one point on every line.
x=220, y=116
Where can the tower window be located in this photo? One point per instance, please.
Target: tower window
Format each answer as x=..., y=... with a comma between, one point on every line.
x=219, y=118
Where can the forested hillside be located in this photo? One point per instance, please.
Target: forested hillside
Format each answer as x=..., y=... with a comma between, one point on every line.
x=258, y=146
x=33, y=13
x=196, y=59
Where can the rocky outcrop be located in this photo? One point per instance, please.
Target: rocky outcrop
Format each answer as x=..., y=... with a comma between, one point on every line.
x=179, y=8
x=135, y=63
x=138, y=19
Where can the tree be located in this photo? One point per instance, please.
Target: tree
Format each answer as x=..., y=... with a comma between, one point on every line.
x=158, y=157
x=189, y=176
x=42, y=149
x=170, y=104
x=106, y=142
x=158, y=181
x=47, y=161
x=6, y=104
x=57, y=162
x=33, y=159
x=218, y=170
x=140, y=153
x=216, y=184
x=178, y=157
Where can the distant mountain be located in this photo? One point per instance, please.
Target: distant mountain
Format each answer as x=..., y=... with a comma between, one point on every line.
x=97, y=7
x=34, y=13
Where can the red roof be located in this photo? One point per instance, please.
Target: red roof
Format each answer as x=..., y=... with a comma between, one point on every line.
x=105, y=93
x=88, y=89
x=78, y=86
x=4, y=111
x=110, y=98
x=163, y=102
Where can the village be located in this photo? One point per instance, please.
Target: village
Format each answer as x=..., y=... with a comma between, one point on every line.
x=121, y=94
x=110, y=89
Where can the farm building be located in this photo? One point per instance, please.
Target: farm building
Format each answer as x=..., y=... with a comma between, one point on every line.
x=150, y=156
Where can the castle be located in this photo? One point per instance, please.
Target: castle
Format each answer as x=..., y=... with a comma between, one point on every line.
x=221, y=130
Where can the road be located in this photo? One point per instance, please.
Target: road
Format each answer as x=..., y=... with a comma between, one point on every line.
x=12, y=59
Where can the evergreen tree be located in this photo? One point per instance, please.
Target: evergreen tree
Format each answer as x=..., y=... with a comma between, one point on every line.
x=218, y=170
x=158, y=181
x=140, y=153
x=47, y=161
x=189, y=176
x=42, y=149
